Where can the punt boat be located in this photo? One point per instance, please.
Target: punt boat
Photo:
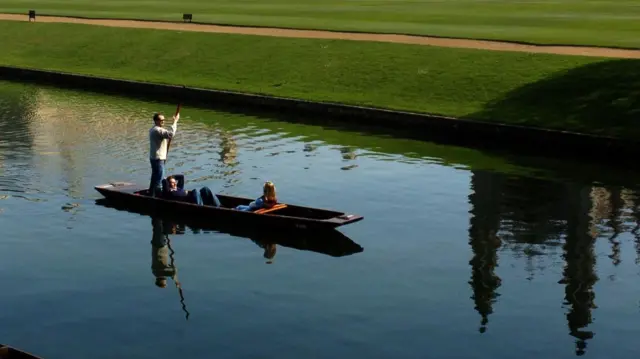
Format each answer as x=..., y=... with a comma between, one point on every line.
x=280, y=216
x=329, y=242
x=7, y=352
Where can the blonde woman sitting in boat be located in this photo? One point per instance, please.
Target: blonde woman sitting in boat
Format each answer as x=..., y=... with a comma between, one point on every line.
x=267, y=200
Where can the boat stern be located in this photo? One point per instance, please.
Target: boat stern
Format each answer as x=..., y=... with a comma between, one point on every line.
x=345, y=218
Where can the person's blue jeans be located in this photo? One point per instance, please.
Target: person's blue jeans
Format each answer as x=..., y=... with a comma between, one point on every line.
x=208, y=198
x=157, y=174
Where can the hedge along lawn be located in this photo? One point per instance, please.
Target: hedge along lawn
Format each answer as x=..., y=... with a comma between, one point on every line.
x=561, y=92
x=614, y=23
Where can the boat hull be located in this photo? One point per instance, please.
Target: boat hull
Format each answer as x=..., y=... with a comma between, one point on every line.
x=328, y=242
x=7, y=352
x=132, y=196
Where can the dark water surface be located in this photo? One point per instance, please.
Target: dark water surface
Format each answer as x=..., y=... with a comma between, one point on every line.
x=465, y=254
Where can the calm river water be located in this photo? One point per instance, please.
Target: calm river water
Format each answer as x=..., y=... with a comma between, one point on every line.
x=465, y=254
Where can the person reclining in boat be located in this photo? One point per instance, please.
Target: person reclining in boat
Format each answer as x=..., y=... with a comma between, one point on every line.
x=267, y=200
x=174, y=192
x=173, y=189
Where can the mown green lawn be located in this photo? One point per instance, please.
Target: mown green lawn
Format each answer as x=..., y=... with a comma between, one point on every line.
x=581, y=94
x=583, y=22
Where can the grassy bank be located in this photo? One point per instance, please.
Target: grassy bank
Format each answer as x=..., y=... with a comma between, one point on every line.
x=562, y=92
x=602, y=23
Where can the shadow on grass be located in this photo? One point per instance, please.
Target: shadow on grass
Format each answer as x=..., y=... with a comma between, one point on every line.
x=601, y=98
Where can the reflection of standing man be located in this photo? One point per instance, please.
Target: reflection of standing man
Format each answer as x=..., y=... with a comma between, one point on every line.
x=158, y=145
x=160, y=266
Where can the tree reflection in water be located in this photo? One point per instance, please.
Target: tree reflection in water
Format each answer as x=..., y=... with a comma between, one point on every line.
x=534, y=217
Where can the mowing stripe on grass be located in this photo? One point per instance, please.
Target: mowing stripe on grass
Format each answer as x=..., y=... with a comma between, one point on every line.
x=314, y=34
x=611, y=23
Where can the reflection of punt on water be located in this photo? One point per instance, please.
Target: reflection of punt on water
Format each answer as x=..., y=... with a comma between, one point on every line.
x=7, y=352
x=328, y=241
x=287, y=216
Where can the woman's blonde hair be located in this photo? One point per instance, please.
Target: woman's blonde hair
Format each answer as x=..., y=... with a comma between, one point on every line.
x=269, y=191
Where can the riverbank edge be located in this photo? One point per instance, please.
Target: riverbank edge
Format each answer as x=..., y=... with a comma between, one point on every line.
x=448, y=130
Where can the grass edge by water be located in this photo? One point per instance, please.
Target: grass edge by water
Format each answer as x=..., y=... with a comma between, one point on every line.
x=526, y=76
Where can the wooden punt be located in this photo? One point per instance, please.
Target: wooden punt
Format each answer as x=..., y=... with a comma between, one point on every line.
x=283, y=216
x=329, y=242
x=7, y=352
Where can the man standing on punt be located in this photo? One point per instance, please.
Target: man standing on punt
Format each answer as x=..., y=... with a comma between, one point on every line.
x=159, y=138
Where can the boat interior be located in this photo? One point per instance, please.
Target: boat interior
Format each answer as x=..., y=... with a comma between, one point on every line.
x=279, y=209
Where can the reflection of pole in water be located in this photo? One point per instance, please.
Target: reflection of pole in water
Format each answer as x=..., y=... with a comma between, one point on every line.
x=175, y=279
x=484, y=225
x=579, y=273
